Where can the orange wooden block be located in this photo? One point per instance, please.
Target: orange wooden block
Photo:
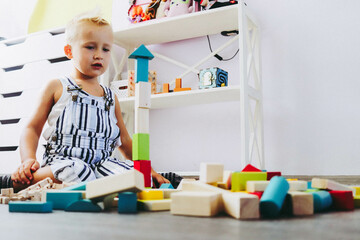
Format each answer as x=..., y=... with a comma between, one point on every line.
x=165, y=88
x=178, y=83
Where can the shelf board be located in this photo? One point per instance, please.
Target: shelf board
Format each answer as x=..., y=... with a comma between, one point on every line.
x=187, y=98
x=181, y=27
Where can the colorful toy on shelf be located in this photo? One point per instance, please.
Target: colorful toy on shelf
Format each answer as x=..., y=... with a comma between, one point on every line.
x=178, y=86
x=213, y=77
x=179, y=7
x=131, y=82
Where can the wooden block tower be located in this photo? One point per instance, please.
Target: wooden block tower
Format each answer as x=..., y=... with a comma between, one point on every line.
x=141, y=143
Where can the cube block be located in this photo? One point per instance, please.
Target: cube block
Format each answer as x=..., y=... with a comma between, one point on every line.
x=141, y=146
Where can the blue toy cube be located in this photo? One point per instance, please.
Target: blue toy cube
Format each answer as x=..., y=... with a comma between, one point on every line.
x=127, y=202
x=213, y=77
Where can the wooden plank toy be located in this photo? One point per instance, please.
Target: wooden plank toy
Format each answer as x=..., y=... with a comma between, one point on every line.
x=204, y=204
x=31, y=207
x=144, y=166
x=127, y=202
x=83, y=205
x=61, y=199
x=273, y=197
x=131, y=180
x=330, y=185
x=154, y=205
x=239, y=179
x=322, y=200
x=211, y=172
x=151, y=195
x=342, y=200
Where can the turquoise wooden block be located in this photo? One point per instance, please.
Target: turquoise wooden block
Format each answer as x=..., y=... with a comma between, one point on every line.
x=127, y=202
x=166, y=186
x=31, y=207
x=77, y=187
x=142, y=70
x=61, y=200
x=84, y=205
x=322, y=201
x=273, y=197
x=141, y=52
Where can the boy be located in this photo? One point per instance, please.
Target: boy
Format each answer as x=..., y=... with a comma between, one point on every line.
x=84, y=118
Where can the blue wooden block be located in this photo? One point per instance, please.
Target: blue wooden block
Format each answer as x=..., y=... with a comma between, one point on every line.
x=322, y=200
x=273, y=197
x=33, y=207
x=166, y=186
x=61, y=200
x=84, y=205
x=141, y=52
x=142, y=70
x=127, y=202
x=77, y=187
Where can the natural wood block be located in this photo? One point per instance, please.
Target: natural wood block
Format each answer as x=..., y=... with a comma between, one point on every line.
x=129, y=181
x=298, y=185
x=256, y=186
x=154, y=205
x=302, y=203
x=141, y=146
x=211, y=172
x=330, y=185
x=7, y=192
x=151, y=194
x=143, y=95
x=342, y=200
x=144, y=166
x=239, y=179
x=142, y=124
x=167, y=192
x=205, y=204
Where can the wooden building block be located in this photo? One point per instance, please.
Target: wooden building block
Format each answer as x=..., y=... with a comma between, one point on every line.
x=166, y=88
x=167, y=192
x=151, y=195
x=127, y=202
x=342, y=200
x=272, y=174
x=154, y=205
x=239, y=179
x=7, y=192
x=142, y=124
x=322, y=200
x=83, y=205
x=250, y=168
x=33, y=207
x=273, y=197
x=357, y=201
x=178, y=86
x=76, y=187
x=302, y=204
x=211, y=172
x=141, y=70
x=330, y=185
x=256, y=186
x=166, y=186
x=131, y=180
x=298, y=185
x=144, y=166
x=141, y=146
x=143, y=95
x=61, y=199
x=205, y=204
x=258, y=194
x=357, y=189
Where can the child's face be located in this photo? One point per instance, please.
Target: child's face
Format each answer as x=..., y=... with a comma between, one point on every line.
x=91, y=49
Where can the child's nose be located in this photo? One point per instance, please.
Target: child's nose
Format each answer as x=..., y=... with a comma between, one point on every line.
x=98, y=54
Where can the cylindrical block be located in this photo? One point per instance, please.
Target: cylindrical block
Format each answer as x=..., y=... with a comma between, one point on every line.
x=273, y=197
x=322, y=200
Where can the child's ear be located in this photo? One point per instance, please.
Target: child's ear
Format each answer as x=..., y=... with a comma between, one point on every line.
x=67, y=50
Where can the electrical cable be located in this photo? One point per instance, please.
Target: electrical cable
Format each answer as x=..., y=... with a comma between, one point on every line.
x=217, y=55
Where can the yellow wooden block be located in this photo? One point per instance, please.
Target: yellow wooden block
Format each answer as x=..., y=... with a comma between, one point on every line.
x=291, y=179
x=357, y=189
x=151, y=195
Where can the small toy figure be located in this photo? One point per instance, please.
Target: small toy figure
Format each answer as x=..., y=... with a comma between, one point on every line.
x=179, y=7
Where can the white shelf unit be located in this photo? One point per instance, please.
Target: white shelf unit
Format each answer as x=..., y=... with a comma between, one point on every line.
x=248, y=93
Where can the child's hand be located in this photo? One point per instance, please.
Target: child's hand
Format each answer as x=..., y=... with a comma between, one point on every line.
x=24, y=172
x=158, y=179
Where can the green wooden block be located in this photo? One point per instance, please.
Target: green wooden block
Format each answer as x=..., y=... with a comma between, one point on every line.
x=239, y=179
x=141, y=146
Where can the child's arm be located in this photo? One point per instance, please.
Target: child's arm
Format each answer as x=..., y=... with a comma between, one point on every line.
x=31, y=134
x=126, y=146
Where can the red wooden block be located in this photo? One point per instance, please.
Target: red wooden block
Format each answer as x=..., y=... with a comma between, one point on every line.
x=342, y=200
x=251, y=168
x=272, y=174
x=144, y=166
x=259, y=194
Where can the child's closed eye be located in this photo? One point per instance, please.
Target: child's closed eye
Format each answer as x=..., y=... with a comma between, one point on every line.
x=90, y=47
x=106, y=49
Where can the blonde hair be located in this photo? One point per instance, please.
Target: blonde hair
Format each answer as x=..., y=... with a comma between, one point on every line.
x=93, y=16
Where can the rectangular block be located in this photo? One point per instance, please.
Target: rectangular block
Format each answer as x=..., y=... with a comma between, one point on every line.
x=142, y=123
x=272, y=174
x=76, y=187
x=127, y=202
x=151, y=195
x=7, y=192
x=256, y=186
x=31, y=207
x=330, y=185
x=154, y=205
x=129, y=181
x=144, y=166
x=357, y=189
x=239, y=179
x=61, y=200
x=141, y=146
x=205, y=204
x=357, y=201
x=143, y=95
x=167, y=192
x=302, y=203
x=211, y=172
x=141, y=70
x=342, y=200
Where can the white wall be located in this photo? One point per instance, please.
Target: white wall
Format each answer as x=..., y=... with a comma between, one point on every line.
x=310, y=59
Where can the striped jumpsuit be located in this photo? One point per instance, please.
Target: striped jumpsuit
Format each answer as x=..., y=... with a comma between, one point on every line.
x=82, y=136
